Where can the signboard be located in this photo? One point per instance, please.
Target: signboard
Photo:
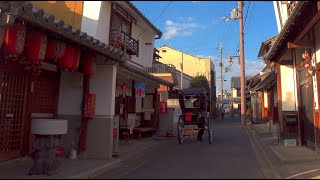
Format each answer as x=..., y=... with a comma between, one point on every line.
x=140, y=89
x=163, y=107
x=164, y=95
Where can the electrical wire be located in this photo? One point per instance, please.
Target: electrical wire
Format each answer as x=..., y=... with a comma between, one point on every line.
x=237, y=49
x=156, y=18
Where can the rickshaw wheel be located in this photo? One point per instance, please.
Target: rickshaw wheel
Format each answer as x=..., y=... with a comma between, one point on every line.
x=180, y=128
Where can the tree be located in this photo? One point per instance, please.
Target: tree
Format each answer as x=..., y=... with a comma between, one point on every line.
x=200, y=81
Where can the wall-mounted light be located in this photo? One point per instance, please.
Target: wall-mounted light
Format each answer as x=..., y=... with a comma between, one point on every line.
x=8, y=17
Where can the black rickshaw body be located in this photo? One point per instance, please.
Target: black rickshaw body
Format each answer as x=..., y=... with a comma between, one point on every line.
x=197, y=114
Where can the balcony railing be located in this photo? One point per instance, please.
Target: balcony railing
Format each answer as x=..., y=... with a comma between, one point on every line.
x=130, y=44
x=290, y=6
x=124, y=41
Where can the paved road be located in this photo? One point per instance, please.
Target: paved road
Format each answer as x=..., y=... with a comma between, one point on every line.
x=230, y=156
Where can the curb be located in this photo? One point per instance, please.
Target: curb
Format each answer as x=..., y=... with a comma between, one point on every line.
x=262, y=157
x=283, y=160
x=95, y=171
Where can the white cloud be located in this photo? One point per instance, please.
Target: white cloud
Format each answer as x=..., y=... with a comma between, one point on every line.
x=251, y=68
x=183, y=28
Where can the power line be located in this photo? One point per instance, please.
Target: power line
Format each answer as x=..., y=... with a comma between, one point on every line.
x=237, y=49
x=157, y=18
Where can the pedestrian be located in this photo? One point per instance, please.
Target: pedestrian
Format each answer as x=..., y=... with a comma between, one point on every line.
x=222, y=112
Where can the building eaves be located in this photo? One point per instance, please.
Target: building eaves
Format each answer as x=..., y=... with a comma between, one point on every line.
x=290, y=27
x=136, y=10
x=25, y=11
x=264, y=43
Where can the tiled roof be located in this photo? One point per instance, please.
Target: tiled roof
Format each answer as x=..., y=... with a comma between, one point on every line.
x=144, y=17
x=25, y=11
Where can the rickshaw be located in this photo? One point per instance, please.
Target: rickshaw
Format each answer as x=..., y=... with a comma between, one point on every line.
x=197, y=114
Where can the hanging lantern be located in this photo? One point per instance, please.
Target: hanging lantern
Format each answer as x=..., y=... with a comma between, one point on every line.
x=76, y=59
x=88, y=64
x=14, y=40
x=66, y=61
x=305, y=55
x=55, y=50
x=36, y=46
x=307, y=66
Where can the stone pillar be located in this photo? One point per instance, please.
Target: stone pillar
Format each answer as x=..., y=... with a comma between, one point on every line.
x=100, y=129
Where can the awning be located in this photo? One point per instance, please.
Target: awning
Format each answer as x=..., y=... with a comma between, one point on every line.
x=272, y=76
x=300, y=16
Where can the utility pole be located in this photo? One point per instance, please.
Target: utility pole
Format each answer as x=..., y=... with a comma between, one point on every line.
x=221, y=65
x=182, y=71
x=242, y=65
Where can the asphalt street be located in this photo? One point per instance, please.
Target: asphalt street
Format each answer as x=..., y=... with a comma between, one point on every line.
x=230, y=156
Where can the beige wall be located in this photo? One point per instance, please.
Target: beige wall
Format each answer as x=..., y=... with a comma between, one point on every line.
x=192, y=65
x=288, y=88
x=68, y=11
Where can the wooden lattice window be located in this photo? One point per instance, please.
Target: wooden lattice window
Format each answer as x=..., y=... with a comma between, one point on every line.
x=13, y=98
x=45, y=93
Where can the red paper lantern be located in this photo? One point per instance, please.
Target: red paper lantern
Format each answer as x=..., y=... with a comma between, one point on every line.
x=66, y=60
x=36, y=46
x=88, y=64
x=305, y=55
x=307, y=66
x=76, y=59
x=55, y=50
x=14, y=39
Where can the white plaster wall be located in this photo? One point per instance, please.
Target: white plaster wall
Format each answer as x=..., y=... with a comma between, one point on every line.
x=96, y=19
x=288, y=88
x=234, y=92
x=90, y=17
x=265, y=98
x=145, y=51
x=103, y=29
x=70, y=93
x=317, y=55
x=281, y=13
x=103, y=84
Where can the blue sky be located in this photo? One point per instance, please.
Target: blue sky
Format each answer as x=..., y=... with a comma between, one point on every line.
x=197, y=28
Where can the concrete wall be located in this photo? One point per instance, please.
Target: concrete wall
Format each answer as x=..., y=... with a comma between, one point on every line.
x=69, y=107
x=166, y=122
x=174, y=104
x=100, y=129
x=288, y=88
